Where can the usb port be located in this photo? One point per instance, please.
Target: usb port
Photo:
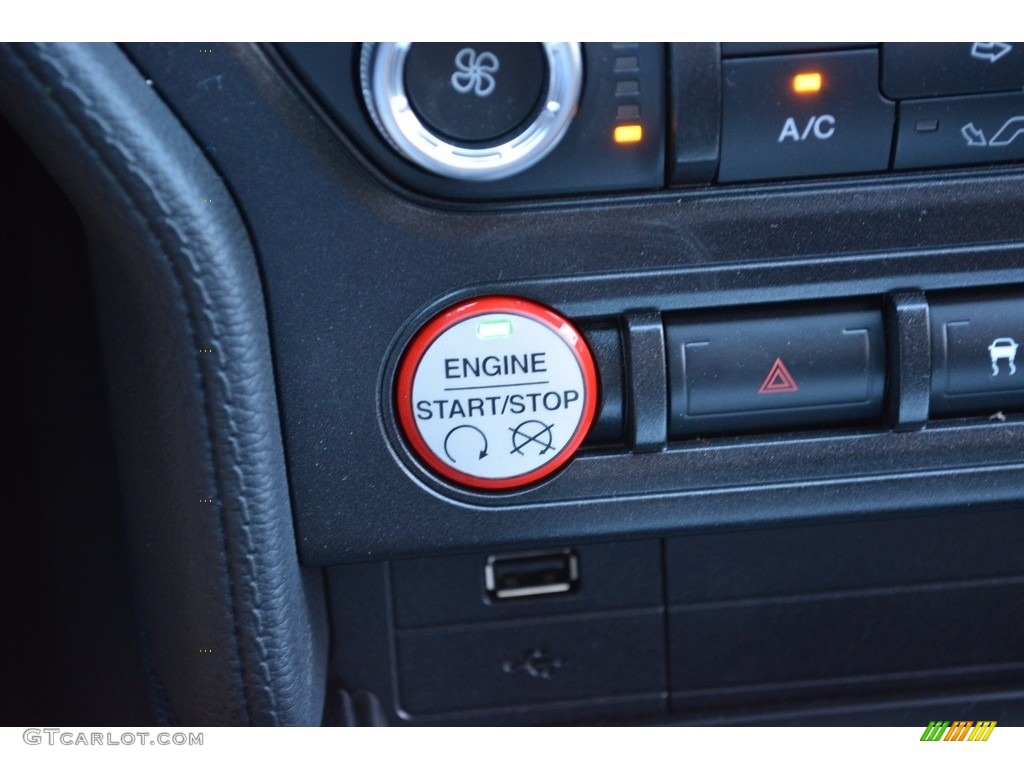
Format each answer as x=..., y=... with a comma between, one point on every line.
x=531, y=574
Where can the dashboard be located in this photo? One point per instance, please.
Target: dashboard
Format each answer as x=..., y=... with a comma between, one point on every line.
x=521, y=383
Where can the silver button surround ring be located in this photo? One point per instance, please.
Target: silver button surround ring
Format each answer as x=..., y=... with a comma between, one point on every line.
x=383, y=83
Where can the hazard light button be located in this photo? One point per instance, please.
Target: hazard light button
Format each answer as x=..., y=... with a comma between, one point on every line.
x=774, y=371
x=496, y=393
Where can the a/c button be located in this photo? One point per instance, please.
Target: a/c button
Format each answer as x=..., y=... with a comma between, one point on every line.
x=813, y=115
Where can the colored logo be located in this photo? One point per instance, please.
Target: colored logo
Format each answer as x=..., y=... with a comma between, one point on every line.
x=959, y=730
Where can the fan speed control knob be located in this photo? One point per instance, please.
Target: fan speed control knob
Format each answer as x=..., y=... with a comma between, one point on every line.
x=472, y=111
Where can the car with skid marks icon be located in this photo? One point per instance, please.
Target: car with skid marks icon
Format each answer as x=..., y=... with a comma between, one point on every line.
x=1003, y=348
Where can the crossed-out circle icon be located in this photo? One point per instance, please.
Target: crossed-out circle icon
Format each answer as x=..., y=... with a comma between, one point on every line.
x=532, y=433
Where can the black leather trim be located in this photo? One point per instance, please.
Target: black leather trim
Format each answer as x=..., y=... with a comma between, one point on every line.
x=236, y=627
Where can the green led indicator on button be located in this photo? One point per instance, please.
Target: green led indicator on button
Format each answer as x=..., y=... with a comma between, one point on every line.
x=494, y=329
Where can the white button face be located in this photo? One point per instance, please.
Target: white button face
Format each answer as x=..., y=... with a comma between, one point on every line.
x=497, y=393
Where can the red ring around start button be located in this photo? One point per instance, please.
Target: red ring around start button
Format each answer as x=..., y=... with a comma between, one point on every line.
x=496, y=393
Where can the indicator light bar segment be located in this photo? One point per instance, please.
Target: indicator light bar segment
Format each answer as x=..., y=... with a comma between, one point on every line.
x=807, y=82
x=494, y=329
x=628, y=134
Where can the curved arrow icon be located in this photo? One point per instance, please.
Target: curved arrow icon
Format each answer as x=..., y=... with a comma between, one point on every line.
x=973, y=136
x=453, y=430
x=990, y=52
x=1006, y=135
x=1011, y=129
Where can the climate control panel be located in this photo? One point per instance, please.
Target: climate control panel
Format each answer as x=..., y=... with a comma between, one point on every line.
x=481, y=120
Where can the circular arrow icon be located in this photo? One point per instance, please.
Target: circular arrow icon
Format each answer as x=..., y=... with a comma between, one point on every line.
x=453, y=430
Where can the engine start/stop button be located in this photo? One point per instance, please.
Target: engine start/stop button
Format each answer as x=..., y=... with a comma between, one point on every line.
x=496, y=393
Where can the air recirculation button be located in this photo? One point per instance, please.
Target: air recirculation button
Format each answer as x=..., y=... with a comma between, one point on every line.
x=472, y=111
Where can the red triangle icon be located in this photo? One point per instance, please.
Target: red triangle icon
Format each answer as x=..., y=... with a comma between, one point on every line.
x=779, y=379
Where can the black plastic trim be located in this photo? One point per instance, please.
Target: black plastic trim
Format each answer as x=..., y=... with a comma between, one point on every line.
x=910, y=358
x=646, y=377
x=694, y=111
